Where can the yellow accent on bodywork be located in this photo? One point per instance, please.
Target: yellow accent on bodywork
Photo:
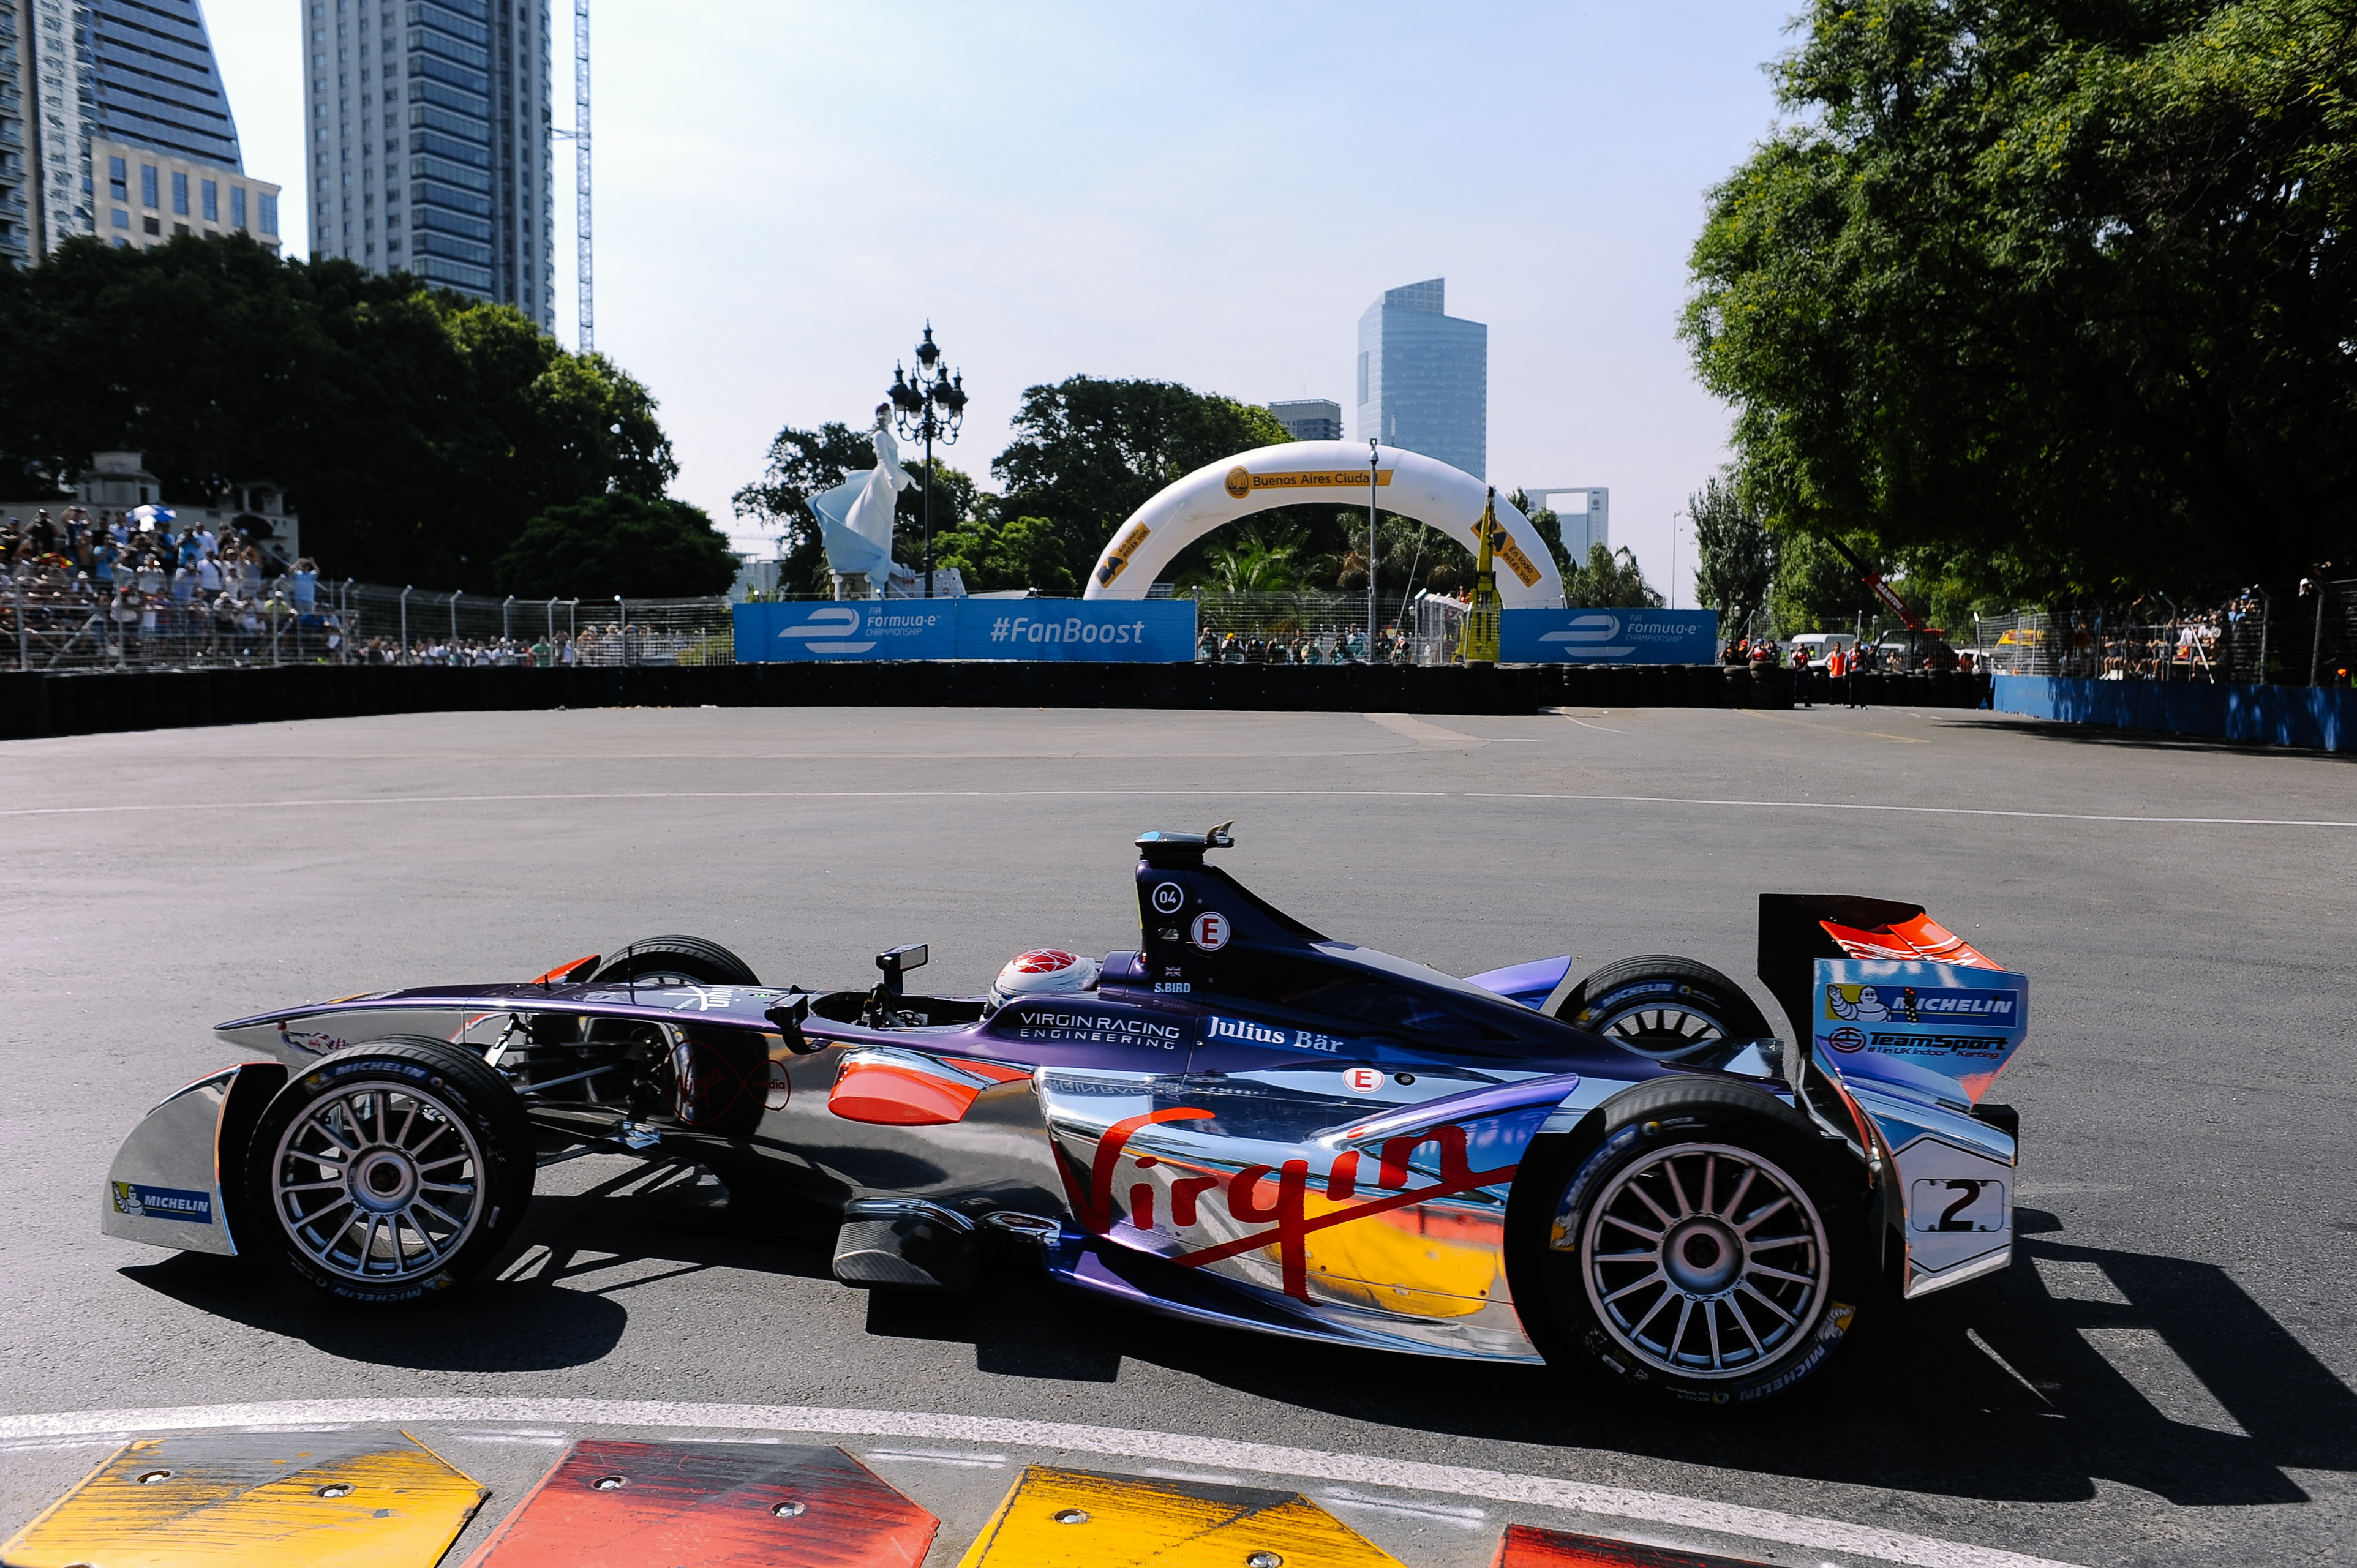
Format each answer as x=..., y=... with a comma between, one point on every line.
x=251, y=1500
x=1169, y=1524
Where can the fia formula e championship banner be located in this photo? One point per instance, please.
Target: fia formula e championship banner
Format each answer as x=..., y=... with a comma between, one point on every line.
x=1134, y=631
x=1609, y=636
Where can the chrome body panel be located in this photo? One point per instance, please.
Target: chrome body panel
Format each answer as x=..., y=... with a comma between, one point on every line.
x=166, y=1187
x=1954, y=1176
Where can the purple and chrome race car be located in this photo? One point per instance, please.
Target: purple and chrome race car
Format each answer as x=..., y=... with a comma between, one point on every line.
x=1242, y=1122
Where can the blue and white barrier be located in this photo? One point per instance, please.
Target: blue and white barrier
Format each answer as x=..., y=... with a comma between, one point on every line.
x=1147, y=631
x=2315, y=718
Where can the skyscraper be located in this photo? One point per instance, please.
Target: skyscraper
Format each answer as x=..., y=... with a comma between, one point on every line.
x=125, y=130
x=1310, y=418
x=429, y=141
x=1423, y=377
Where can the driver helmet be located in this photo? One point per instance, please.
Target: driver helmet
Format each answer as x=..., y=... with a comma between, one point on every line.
x=1043, y=972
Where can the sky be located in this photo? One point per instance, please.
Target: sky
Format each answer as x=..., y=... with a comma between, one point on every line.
x=1211, y=193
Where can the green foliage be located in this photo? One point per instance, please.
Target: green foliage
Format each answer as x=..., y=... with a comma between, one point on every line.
x=1736, y=554
x=1024, y=553
x=804, y=463
x=619, y=544
x=414, y=431
x=1087, y=452
x=1610, y=579
x=1257, y=558
x=1549, y=527
x=2057, y=297
x=1817, y=590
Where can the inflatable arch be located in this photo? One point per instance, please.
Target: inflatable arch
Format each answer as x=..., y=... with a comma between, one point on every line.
x=1409, y=483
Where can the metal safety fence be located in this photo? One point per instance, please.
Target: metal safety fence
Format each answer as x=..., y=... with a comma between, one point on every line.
x=50, y=620
x=2296, y=636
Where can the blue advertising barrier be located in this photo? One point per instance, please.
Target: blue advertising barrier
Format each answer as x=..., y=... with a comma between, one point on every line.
x=1129, y=631
x=1132, y=631
x=1609, y=636
x=2318, y=718
x=847, y=628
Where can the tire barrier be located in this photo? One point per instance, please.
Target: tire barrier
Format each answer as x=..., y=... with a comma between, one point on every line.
x=36, y=704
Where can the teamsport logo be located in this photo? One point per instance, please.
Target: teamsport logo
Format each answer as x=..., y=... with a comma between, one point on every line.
x=1846, y=1039
x=1994, y=1046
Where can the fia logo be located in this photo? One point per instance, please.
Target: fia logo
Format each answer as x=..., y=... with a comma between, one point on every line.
x=1167, y=896
x=1209, y=930
x=1365, y=1079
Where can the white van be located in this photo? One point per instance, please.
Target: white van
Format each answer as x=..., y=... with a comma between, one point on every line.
x=1820, y=644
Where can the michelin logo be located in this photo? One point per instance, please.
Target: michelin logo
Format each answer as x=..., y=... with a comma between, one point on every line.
x=1907, y=1004
x=142, y=1202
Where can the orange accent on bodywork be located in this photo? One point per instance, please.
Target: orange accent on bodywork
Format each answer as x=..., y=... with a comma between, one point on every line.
x=887, y=1096
x=1920, y=939
x=561, y=974
x=998, y=1072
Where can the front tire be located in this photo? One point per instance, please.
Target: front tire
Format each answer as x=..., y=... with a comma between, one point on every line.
x=1666, y=1008
x=655, y=960
x=390, y=1171
x=1709, y=1247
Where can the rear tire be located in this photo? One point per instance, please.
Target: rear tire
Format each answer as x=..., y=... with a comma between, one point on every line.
x=390, y=1171
x=1706, y=1245
x=653, y=959
x=1667, y=1008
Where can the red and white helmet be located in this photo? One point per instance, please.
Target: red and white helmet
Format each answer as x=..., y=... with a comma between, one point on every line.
x=1043, y=972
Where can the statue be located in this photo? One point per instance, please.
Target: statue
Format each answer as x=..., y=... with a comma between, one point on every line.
x=855, y=517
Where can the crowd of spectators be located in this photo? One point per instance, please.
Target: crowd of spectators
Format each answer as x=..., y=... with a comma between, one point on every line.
x=128, y=580
x=1300, y=648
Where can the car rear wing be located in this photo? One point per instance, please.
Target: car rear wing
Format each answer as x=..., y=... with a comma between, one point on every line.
x=1885, y=993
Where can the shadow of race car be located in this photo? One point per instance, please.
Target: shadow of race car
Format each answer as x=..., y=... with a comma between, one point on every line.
x=1242, y=1122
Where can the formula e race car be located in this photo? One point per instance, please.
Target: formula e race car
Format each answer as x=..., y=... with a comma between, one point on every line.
x=1243, y=1123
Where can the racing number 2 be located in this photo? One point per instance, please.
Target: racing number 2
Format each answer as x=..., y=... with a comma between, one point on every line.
x=1960, y=1203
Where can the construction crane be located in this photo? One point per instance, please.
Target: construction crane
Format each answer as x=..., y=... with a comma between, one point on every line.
x=1872, y=578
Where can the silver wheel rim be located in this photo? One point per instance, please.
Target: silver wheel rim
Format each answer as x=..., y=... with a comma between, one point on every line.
x=1704, y=1261
x=378, y=1183
x=1666, y=1032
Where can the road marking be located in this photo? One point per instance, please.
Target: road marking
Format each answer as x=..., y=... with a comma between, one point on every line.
x=1428, y=736
x=997, y=1432
x=1879, y=735
x=1179, y=794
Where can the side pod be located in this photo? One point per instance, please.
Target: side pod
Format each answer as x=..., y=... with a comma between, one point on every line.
x=166, y=1187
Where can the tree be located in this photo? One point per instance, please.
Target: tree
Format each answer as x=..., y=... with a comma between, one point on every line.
x=1611, y=579
x=1025, y=552
x=1736, y=554
x=416, y=431
x=619, y=544
x=1256, y=560
x=804, y=463
x=2056, y=295
x=1087, y=452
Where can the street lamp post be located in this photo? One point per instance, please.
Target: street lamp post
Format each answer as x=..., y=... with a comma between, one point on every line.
x=931, y=404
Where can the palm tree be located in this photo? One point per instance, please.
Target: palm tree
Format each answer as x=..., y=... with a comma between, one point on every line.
x=1256, y=562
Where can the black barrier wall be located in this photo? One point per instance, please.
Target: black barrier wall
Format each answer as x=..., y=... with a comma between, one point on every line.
x=38, y=704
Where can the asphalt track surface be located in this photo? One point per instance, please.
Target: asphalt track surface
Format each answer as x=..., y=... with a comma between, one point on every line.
x=2165, y=1375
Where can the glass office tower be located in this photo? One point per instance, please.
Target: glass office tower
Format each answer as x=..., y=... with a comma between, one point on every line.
x=1423, y=377
x=136, y=79
x=429, y=140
